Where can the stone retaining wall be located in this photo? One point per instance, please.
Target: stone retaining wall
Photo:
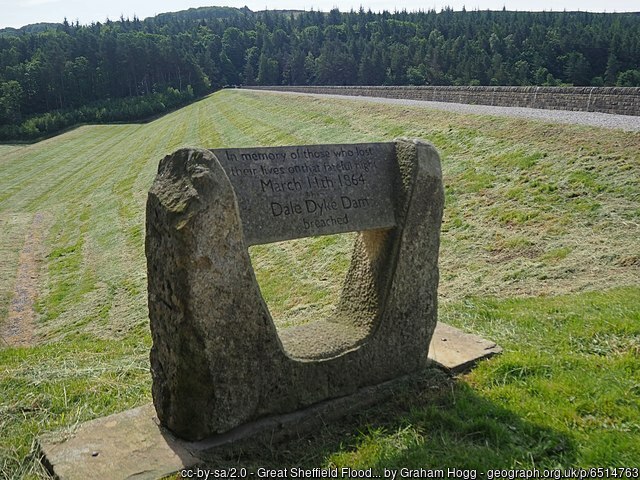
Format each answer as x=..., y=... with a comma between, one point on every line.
x=617, y=100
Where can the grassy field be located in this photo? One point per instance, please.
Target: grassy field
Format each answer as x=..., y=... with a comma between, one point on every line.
x=540, y=252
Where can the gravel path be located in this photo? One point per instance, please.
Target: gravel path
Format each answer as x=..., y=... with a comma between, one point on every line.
x=606, y=120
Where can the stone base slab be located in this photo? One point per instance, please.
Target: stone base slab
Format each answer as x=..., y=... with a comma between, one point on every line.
x=457, y=351
x=131, y=444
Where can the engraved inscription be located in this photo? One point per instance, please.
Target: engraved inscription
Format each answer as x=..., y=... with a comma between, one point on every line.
x=301, y=191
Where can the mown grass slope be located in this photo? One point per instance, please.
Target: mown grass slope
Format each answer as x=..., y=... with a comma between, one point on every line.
x=540, y=252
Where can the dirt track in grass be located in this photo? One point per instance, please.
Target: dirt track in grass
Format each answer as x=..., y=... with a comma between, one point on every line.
x=18, y=329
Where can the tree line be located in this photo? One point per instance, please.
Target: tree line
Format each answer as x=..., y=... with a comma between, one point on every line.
x=55, y=76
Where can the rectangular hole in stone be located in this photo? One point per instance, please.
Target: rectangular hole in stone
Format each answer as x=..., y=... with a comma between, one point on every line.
x=301, y=282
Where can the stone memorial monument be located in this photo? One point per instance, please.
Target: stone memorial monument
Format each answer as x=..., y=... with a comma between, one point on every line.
x=217, y=360
x=224, y=379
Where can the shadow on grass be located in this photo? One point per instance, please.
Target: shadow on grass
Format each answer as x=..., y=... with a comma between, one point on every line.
x=439, y=423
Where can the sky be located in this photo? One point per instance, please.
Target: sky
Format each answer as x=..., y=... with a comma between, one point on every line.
x=16, y=13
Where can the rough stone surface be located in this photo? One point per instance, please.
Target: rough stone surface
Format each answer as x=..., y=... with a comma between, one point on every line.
x=217, y=361
x=127, y=445
x=131, y=445
x=457, y=351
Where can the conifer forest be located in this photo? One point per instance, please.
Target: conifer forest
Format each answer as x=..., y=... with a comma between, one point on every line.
x=53, y=76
